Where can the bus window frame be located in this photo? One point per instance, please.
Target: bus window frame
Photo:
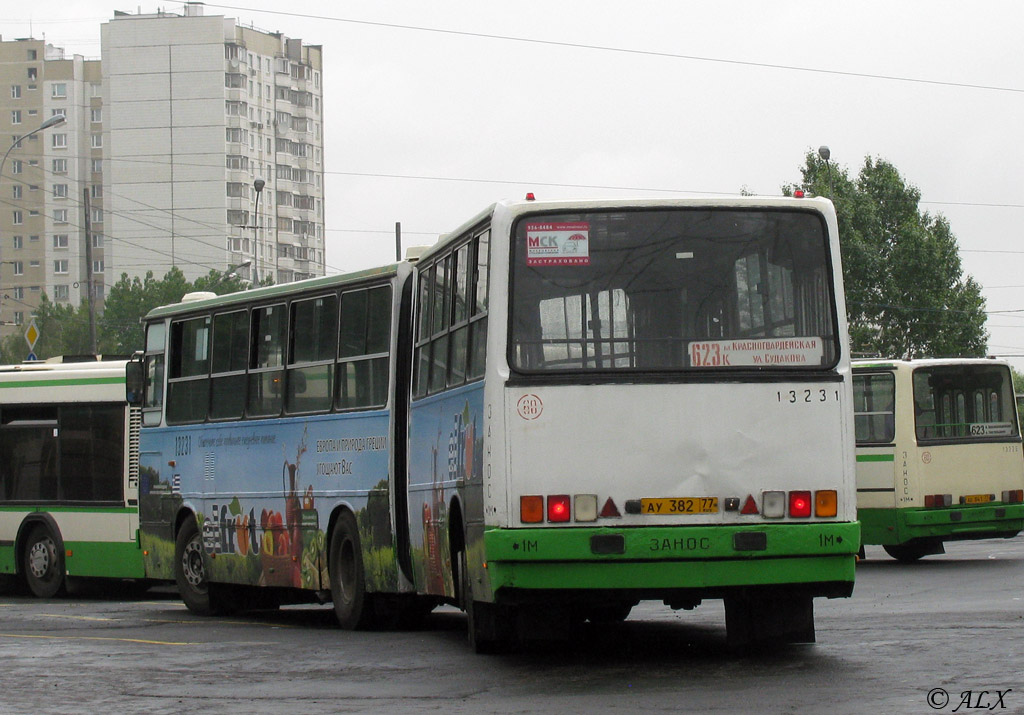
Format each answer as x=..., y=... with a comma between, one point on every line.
x=472, y=323
x=686, y=372
x=890, y=423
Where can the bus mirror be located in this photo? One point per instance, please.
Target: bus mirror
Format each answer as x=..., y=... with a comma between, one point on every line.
x=134, y=381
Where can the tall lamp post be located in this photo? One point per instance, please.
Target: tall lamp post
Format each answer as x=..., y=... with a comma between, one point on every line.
x=258, y=184
x=824, y=153
x=51, y=122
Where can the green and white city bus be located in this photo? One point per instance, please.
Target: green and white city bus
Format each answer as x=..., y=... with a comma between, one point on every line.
x=938, y=453
x=561, y=409
x=69, y=476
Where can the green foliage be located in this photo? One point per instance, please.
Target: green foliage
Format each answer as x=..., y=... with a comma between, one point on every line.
x=906, y=293
x=1018, y=381
x=64, y=330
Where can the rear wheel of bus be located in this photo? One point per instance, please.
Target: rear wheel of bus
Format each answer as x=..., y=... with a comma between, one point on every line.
x=352, y=604
x=43, y=562
x=915, y=550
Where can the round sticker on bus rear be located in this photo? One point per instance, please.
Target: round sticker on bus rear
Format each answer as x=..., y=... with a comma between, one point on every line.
x=529, y=407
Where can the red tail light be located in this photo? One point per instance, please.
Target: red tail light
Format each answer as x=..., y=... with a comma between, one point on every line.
x=558, y=507
x=799, y=504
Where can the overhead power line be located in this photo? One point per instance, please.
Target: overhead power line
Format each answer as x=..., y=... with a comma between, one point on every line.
x=623, y=50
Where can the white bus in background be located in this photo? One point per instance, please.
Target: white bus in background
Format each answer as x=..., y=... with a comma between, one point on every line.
x=938, y=453
x=561, y=409
x=69, y=474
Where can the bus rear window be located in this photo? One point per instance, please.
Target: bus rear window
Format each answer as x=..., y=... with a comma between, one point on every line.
x=667, y=290
x=964, y=402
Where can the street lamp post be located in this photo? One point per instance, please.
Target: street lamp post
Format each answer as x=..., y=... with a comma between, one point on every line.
x=258, y=184
x=824, y=153
x=51, y=122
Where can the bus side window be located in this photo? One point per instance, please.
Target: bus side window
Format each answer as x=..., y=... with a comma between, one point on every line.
x=874, y=405
x=364, y=348
x=229, y=356
x=266, y=361
x=478, y=319
x=153, y=374
x=312, y=344
x=188, y=384
x=458, y=345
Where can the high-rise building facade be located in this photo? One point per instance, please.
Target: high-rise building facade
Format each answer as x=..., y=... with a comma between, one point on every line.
x=51, y=181
x=198, y=112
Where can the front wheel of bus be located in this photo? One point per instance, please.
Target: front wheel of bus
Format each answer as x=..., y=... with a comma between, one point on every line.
x=190, y=571
x=352, y=605
x=44, y=563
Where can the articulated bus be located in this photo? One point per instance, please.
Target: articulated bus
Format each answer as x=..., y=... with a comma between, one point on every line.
x=69, y=477
x=938, y=453
x=557, y=411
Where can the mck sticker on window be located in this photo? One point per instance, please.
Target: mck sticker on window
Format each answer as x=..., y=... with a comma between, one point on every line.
x=558, y=244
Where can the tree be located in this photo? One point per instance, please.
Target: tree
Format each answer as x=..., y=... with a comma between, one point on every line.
x=64, y=330
x=131, y=298
x=906, y=293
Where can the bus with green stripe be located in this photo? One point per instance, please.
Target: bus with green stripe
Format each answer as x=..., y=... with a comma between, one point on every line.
x=559, y=410
x=69, y=474
x=938, y=453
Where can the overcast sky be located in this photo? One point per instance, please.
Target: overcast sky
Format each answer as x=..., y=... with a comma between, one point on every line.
x=435, y=110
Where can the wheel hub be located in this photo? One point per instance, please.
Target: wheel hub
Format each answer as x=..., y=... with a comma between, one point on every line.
x=40, y=558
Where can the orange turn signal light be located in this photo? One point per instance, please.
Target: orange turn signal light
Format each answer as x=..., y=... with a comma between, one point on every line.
x=826, y=503
x=531, y=509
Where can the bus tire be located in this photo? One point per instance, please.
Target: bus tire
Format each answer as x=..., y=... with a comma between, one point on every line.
x=486, y=627
x=43, y=563
x=909, y=553
x=352, y=605
x=190, y=570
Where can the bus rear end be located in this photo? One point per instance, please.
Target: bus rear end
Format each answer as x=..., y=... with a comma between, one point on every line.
x=675, y=418
x=938, y=454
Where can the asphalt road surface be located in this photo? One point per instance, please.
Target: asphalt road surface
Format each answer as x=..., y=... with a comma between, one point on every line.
x=943, y=635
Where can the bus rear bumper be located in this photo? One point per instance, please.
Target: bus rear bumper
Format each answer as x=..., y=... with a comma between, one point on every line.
x=897, y=526
x=815, y=559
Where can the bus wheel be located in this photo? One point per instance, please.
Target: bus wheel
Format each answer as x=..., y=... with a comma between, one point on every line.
x=352, y=605
x=189, y=571
x=44, y=563
x=487, y=628
x=909, y=553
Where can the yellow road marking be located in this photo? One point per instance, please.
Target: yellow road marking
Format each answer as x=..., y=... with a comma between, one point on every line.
x=93, y=638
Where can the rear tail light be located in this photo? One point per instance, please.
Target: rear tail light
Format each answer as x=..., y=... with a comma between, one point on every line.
x=938, y=500
x=800, y=504
x=773, y=504
x=585, y=507
x=531, y=509
x=826, y=503
x=558, y=508
x=1014, y=496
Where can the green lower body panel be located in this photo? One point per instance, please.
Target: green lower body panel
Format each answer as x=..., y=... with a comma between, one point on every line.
x=89, y=559
x=699, y=559
x=103, y=559
x=888, y=527
x=7, y=559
